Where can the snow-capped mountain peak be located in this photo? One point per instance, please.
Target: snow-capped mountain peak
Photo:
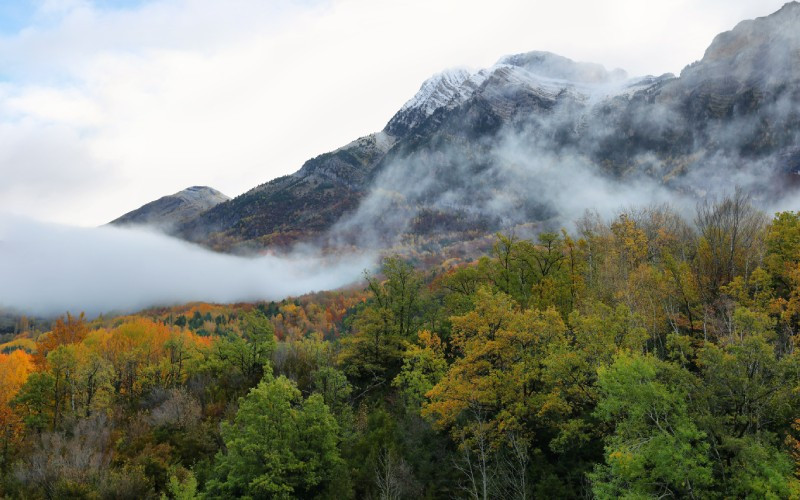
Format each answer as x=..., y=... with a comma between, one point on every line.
x=438, y=90
x=435, y=92
x=543, y=73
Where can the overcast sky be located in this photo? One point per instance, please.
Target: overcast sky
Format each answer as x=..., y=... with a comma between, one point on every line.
x=106, y=105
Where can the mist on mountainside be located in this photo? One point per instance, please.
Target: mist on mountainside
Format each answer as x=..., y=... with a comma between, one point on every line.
x=49, y=269
x=590, y=139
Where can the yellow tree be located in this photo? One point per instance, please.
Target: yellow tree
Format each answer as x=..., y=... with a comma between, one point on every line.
x=783, y=263
x=14, y=370
x=70, y=331
x=491, y=387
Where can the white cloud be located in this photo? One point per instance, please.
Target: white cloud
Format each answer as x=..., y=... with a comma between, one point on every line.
x=49, y=269
x=104, y=110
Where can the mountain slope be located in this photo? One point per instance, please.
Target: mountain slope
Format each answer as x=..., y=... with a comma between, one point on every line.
x=293, y=207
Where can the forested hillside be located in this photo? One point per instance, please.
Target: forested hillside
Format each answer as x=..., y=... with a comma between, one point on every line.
x=642, y=356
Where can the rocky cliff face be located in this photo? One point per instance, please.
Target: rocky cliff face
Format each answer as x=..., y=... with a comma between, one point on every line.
x=736, y=110
x=534, y=138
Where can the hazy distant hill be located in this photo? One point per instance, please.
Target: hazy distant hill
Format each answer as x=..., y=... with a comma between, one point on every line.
x=170, y=211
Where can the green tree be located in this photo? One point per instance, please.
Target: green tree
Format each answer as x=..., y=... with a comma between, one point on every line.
x=656, y=449
x=35, y=401
x=250, y=352
x=63, y=366
x=279, y=446
x=750, y=401
x=424, y=365
x=372, y=355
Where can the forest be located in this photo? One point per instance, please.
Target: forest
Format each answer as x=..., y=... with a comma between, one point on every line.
x=647, y=355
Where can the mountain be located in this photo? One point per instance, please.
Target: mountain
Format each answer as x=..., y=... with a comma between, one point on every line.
x=170, y=211
x=455, y=106
x=538, y=138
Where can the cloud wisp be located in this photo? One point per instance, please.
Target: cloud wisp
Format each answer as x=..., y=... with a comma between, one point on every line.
x=49, y=269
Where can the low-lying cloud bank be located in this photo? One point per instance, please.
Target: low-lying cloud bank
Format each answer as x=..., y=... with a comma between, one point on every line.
x=48, y=269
